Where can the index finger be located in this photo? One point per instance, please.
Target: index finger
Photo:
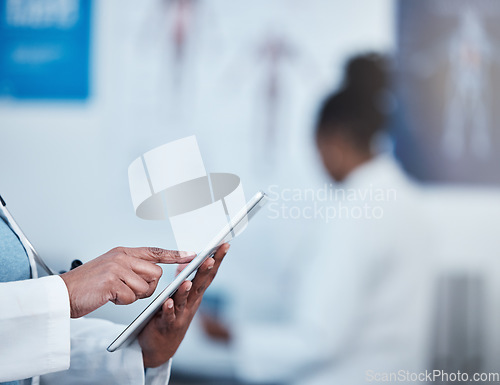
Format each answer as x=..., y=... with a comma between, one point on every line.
x=158, y=255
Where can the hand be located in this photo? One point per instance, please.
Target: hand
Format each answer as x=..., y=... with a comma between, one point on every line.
x=162, y=336
x=121, y=276
x=215, y=329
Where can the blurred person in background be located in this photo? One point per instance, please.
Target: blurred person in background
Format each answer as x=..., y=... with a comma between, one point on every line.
x=360, y=306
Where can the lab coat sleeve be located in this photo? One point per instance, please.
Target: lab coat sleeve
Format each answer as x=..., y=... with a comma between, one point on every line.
x=91, y=363
x=34, y=328
x=320, y=327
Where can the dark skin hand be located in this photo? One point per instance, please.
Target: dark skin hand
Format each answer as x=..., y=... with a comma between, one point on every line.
x=122, y=275
x=164, y=333
x=215, y=329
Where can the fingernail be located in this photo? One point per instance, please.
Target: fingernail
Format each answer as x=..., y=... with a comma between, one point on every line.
x=187, y=254
x=170, y=304
x=211, y=266
x=189, y=285
x=227, y=247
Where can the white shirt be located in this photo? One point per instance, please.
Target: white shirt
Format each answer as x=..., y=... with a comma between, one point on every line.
x=361, y=301
x=38, y=337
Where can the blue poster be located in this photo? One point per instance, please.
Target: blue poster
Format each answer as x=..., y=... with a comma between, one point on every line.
x=44, y=49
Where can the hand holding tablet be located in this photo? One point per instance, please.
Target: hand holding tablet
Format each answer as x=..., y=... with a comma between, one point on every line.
x=163, y=334
x=140, y=323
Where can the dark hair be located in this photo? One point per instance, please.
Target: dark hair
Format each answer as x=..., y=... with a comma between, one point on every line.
x=356, y=110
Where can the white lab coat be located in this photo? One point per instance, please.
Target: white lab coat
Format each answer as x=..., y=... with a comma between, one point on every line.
x=37, y=337
x=361, y=300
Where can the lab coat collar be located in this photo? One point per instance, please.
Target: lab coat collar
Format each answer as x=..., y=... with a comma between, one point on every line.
x=381, y=170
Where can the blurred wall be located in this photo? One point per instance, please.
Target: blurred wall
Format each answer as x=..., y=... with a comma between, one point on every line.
x=64, y=164
x=465, y=221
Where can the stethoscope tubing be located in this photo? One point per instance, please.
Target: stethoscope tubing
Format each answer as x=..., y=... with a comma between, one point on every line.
x=33, y=256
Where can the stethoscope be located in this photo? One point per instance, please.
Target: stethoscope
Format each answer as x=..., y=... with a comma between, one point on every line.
x=33, y=256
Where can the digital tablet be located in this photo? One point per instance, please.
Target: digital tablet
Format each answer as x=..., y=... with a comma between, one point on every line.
x=132, y=330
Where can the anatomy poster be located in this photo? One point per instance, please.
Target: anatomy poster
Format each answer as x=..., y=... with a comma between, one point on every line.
x=176, y=22
x=268, y=70
x=449, y=76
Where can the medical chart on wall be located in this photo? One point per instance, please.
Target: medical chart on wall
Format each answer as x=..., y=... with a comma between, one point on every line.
x=449, y=64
